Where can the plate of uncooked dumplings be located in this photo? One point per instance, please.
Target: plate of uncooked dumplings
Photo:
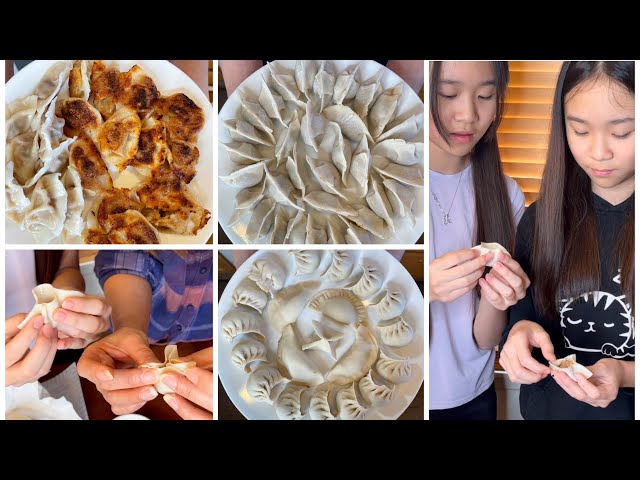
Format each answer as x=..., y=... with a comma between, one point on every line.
x=65, y=150
x=321, y=335
x=322, y=151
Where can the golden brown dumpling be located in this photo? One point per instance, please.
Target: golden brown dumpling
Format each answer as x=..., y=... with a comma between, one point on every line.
x=106, y=88
x=184, y=119
x=183, y=160
x=118, y=137
x=138, y=92
x=80, y=117
x=85, y=157
x=152, y=147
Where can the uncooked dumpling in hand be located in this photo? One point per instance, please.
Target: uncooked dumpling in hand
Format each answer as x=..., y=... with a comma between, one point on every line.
x=48, y=299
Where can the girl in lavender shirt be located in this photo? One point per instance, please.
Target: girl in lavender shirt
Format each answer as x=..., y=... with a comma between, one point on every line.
x=471, y=202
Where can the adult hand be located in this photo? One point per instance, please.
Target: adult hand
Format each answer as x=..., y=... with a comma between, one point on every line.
x=599, y=390
x=126, y=389
x=505, y=284
x=193, y=390
x=516, y=356
x=455, y=273
x=81, y=320
x=24, y=365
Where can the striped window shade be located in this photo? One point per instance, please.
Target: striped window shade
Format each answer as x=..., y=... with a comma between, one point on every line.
x=524, y=132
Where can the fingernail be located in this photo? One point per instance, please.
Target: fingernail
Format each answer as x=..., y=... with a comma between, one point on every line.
x=105, y=376
x=59, y=315
x=169, y=381
x=149, y=394
x=171, y=401
x=37, y=322
x=191, y=375
x=150, y=377
x=68, y=304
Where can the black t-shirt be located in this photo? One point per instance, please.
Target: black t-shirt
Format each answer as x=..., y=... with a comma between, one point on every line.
x=593, y=326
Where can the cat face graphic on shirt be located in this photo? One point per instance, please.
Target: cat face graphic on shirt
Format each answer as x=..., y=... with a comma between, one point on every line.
x=598, y=322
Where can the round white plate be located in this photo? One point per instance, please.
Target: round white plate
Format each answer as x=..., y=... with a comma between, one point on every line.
x=169, y=79
x=234, y=379
x=409, y=104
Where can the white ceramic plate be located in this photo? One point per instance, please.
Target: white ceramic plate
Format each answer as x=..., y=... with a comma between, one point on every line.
x=408, y=105
x=169, y=79
x=234, y=379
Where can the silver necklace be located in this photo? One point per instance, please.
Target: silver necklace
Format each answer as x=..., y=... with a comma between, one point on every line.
x=446, y=219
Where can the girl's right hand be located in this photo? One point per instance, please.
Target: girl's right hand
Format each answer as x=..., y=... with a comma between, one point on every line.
x=455, y=273
x=516, y=356
x=24, y=365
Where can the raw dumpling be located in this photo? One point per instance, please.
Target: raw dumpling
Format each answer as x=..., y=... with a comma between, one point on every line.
x=346, y=86
x=494, y=248
x=296, y=231
x=570, y=366
x=279, y=230
x=319, y=408
x=288, y=304
x=370, y=222
x=16, y=202
x=383, y=110
x=372, y=392
x=245, y=151
x=392, y=304
x=360, y=163
x=74, y=222
x=379, y=203
x=312, y=126
x=288, y=405
x=405, y=130
x=348, y=405
x=407, y=175
x=402, y=200
x=323, y=85
x=307, y=261
x=367, y=94
x=48, y=299
x=171, y=364
x=340, y=149
x=247, y=351
x=285, y=85
x=321, y=344
x=269, y=276
x=358, y=360
x=316, y=234
x=256, y=116
x=305, y=73
x=246, y=176
x=280, y=189
x=273, y=104
x=329, y=328
x=350, y=123
x=341, y=304
x=341, y=266
x=240, y=321
x=393, y=370
x=354, y=234
x=370, y=281
x=261, y=220
x=399, y=151
x=261, y=382
x=397, y=333
x=248, y=293
x=45, y=218
x=242, y=131
x=327, y=175
x=286, y=142
x=300, y=366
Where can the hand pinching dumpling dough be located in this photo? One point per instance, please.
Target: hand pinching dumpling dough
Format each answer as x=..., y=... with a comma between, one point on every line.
x=570, y=366
x=48, y=299
x=494, y=248
x=171, y=364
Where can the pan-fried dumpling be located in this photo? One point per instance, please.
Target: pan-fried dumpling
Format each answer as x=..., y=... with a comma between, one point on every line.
x=323, y=85
x=261, y=382
x=383, y=110
x=299, y=365
x=350, y=123
x=48, y=300
x=273, y=105
x=316, y=234
x=397, y=333
x=379, y=203
x=296, y=229
x=141, y=94
x=346, y=86
x=19, y=117
x=367, y=94
x=349, y=407
x=393, y=370
x=79, y=84
x=246, y=176
x=341, y=266
x=45, y=218
x=370, y=281
x=373, y=392
x=405, y=130
x=284, y=145
x=80, y=117
x=402, y=200
x=119, y=136
x=182, y=116
x=256, y=116
x=240, y=321
x=249, y=294
x=312, y=126
x=392, y=304
x=16, y=203
x=407, y=175
x=268, y=275
x=319, y=408
x=242, y=131
x=261, y=220
x=399, y=151
x=247, y=351
x=106, y=87
x=307, y=261
x=74, y=222
x=358, y=360
x=360, y=162
x=288, y=405
x=305, y=73
x=131, y=227
x=289, y=303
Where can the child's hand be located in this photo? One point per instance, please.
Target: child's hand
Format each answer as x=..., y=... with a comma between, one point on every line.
x=516, y=357
x=192, y=390
x=505, y=284
x=81, y=320
x=598, y=391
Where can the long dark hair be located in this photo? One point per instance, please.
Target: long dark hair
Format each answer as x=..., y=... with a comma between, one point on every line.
x=566, y=262
x=494, y=215
x=47, y=264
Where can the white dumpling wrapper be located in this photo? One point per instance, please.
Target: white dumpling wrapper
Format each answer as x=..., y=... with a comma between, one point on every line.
x=48, y=299
x=493, y=248
x=570, y=366
x=170, y=364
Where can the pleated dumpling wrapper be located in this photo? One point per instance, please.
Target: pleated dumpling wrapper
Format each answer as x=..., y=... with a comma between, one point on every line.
x=494, y=248
x=569, y=366
x=171, y=364
x=48, y=298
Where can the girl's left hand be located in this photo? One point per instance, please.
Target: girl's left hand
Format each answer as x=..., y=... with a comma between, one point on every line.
x=598, y=391
x=81, y=320
x=505, y=284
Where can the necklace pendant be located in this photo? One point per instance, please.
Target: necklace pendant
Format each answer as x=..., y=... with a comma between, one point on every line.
x=447, y=219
